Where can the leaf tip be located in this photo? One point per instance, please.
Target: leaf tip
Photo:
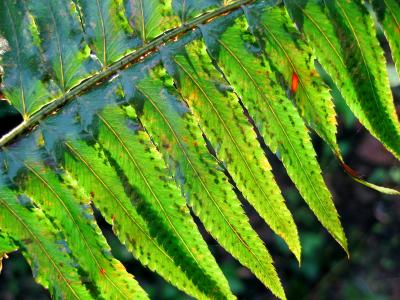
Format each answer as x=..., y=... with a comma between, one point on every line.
x=343, y=243
x=296, y=250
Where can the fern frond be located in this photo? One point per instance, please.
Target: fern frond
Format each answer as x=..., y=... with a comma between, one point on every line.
x=61, y=40
x=75, y=218
x=219, y=113
x=344, y=38
x=23, y=81
x=294, y=60
x=276, y=117
x=179, y=139
x=51, y=265
x=106, y=29
x=171, y=102
x=117, y=200
x=115, y=205
x=159, y=200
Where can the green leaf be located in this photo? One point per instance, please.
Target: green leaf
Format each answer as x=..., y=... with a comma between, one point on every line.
x=150, y=18
x=344, y=38
x=61, y=39
x=206, y=188
x=75, y=218
x=51, y=265
x=388, y=12
x=218, y=111
x=97, y=176
x=23, y=81
x=6, y=246
x=294, y=60
x=276, y=117
x=106, y=29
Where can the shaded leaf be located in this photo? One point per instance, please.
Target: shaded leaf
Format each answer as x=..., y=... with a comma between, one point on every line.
x=24, y=85
x=149, y=18
x=62, y=41
x=107, y=29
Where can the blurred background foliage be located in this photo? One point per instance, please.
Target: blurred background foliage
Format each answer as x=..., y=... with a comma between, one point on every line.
x=371, y=221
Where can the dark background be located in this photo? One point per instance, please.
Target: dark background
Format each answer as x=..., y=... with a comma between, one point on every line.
x=371, y=221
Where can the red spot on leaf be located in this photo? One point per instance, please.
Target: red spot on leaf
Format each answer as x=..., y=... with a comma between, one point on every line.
x=295, y=83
